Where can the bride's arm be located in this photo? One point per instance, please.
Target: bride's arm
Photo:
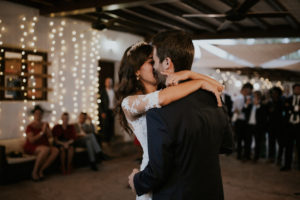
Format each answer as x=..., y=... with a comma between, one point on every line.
x=139, y=104
x=175, y=78
x=174, y=93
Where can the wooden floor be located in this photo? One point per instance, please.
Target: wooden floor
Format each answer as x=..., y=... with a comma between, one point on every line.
x=242, y=181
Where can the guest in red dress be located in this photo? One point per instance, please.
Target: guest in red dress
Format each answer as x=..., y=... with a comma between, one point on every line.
x=37, y=134
x=64, y=137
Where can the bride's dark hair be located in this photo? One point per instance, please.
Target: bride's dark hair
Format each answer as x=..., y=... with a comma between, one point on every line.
x=134, y=57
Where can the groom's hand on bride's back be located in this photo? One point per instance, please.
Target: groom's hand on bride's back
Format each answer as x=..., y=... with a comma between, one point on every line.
x=130, y=179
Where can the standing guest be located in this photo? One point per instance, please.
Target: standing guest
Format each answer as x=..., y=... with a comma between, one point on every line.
x=275, y=127
x=85, y=137
x=292, y=107
x=64, y=137
x=37, y=143
x=226, y=98
x=255, y=114
x=106, y=109
x=239, y=119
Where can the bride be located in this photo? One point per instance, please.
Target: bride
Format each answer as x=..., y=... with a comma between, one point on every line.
x=137, y=92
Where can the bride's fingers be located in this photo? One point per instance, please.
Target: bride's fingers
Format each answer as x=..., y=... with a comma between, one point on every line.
x=218, y=100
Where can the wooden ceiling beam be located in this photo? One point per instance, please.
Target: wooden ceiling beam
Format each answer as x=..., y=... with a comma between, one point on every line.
x=126, y=29
x=133, y=3
x=131, y=17
x=165, y=24
x=62, y=8
x=170, y=22
x=35, y=3
x=278, y=31
x=132, y=23
x=177, y=18
x=259, y=22
x=195, y=7
x=290, y=19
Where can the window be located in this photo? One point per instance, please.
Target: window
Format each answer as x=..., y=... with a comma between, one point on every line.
x=23, y=74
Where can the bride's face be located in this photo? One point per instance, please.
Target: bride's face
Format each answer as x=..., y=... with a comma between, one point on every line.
x=146, y=72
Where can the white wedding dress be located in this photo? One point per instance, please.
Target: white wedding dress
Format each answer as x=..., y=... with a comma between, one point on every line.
x=135, y=108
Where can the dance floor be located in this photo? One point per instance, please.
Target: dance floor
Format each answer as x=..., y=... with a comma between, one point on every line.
x=242, y=181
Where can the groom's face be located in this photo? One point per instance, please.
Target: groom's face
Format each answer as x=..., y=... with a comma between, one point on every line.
x=158, y=67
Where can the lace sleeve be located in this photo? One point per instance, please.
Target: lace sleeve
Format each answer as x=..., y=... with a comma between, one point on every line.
x=140, y=104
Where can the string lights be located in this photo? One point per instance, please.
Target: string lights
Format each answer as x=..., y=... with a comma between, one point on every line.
x=54, y=68
x=62, y=63
x=95, y=56
x=23, y=68
x=75, y=73
x=1, y=56
x=83, y=73
x=236, y=80
x=1, y=32
x=84, y=69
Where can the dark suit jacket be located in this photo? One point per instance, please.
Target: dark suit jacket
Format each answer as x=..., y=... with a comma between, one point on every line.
x=103, y=108
x=289, y=109
x=260, y=116
x=228, y=103
x=184, y=142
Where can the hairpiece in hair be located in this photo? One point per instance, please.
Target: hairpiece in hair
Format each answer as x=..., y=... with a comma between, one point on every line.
x=136, y=45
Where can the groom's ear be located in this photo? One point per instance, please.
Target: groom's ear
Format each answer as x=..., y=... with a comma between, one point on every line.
x=168, y=65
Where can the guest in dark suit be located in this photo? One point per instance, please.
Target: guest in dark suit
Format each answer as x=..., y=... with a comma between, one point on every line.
x=184, y=138
x=228, y=103
x=106, y=110
x=275, y=124
x=292, y=111
x=255, y=113
x=239, y=119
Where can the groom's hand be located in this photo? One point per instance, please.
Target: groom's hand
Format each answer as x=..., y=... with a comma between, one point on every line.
x=130, y=178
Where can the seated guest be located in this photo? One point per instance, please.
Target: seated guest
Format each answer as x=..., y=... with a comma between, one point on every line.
x=64, y=137
x=85, y=137
x=37, y=134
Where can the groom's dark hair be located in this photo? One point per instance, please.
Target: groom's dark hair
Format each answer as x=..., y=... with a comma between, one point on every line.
x=177, y=45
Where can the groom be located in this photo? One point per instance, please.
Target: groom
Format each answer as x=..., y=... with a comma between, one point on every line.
x=185, y=137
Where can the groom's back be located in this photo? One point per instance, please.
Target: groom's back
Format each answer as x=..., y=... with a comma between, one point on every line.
x=198, y=126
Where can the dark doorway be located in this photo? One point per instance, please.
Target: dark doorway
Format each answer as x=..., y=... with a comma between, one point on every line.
x=107, y=70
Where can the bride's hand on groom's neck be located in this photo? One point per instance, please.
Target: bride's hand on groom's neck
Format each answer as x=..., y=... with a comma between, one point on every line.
x=173, y=78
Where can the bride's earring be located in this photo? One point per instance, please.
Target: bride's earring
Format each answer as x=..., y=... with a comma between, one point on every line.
x=137, y=77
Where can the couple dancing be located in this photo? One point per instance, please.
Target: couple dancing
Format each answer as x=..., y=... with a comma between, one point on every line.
x=182, y=128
